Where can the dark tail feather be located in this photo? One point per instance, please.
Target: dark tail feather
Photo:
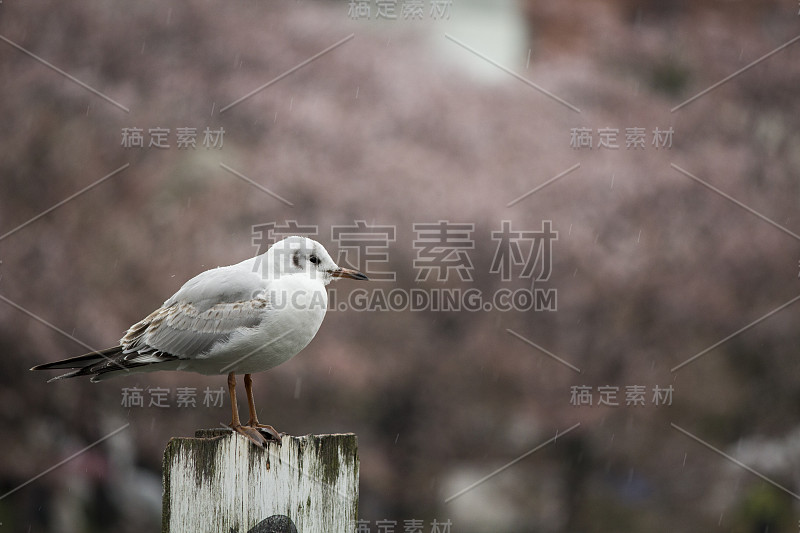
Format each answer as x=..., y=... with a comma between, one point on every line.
x=103, y=364
x=81, y=361
x=90, y=364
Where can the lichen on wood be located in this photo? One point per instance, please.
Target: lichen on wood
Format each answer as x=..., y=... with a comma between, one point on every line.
x=219, y=481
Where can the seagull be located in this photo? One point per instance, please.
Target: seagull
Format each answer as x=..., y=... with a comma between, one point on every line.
x=238, y=319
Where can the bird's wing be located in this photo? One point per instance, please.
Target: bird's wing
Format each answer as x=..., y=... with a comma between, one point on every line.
x=205, y=311
x=208, y=309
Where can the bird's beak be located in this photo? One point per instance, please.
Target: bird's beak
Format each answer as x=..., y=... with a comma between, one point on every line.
x=348, y=273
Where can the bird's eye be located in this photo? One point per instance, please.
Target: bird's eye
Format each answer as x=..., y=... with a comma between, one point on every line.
x=314, y=259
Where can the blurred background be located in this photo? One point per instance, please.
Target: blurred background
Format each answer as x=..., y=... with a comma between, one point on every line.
x=418, y=112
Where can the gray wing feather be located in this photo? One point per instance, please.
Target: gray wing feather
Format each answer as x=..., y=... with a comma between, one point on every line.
x=205, y=311
x=222, y=285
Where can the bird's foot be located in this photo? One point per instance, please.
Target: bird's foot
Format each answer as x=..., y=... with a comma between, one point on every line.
x=265, y=428
x=252, y=434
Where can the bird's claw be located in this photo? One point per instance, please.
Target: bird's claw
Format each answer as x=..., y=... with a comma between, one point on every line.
x=252, y=434
x=269, y=430
x=258, y=434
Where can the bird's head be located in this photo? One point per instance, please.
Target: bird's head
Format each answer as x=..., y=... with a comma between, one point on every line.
x=297, y=255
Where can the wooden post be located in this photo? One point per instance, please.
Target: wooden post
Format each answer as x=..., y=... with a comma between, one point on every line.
x=219, y=482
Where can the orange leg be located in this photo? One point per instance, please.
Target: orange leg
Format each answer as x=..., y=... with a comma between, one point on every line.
x=232, y=394
x=251, y=433
x=253, y=422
